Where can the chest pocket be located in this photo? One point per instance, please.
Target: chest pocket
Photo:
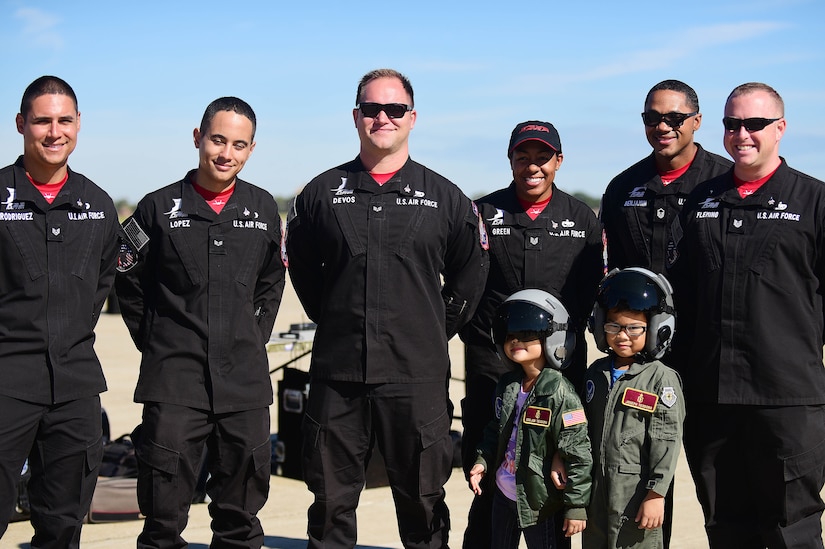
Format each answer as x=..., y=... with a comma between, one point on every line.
x=707, y=248
x=411, y=235
x=346, y=224
x=499, y=252
x=92, y=234
x=253, y=251
x=185, y=250
x=541, y=245
x=767, y=254
x=81, y=236
x=23, y=241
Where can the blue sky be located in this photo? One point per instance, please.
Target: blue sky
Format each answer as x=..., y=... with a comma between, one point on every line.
x=145, y=71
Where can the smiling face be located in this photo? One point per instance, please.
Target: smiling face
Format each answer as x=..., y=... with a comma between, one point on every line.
x=49, y=136
x=755, y=154
x=624, y=346
x=534, y=166
x=223, y=150
x=384, y=140
x=530, y=352
x=672, y=147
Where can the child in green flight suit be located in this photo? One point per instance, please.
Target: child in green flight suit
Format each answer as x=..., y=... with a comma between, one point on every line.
x=538, y=414
x=635, y=409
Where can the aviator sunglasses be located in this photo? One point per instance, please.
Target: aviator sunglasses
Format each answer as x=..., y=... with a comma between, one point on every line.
x=674, y=120
x=392, y=110
x=751, y=124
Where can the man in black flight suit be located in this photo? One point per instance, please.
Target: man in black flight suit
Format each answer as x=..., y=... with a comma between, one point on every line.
x=368, y=243
x=201, y=284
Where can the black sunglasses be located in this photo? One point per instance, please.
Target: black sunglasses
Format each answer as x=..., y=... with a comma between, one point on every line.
x=392, y=110
x=673, y=119
x=751, y=124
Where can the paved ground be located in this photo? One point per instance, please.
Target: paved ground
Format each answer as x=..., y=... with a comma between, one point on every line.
x=284, y=516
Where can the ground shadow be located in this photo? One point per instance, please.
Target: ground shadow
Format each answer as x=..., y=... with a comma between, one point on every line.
x=270, y=542
x=277, y=542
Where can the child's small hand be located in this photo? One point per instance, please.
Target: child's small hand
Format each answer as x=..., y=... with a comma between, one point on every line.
x=651, y=512
x=573, y=527
x=558, y=472
x=476, y=475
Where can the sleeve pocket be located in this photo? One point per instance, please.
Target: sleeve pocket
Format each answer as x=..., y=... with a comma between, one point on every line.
x=630, y=468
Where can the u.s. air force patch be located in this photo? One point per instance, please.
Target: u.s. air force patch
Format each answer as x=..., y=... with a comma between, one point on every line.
x=127, y=257
x=535, y=415
x=668, y=396
x=641, y=400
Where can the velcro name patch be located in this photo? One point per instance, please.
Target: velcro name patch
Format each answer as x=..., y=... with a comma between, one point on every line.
x=641, y=400
x=535, y=415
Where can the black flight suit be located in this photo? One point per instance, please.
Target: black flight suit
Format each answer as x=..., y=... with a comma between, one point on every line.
x=750, y=276
x=57, y=265
x=559, y=252
x=637, y=210
x=367, y=263
x=200, y=305
x=637, y=213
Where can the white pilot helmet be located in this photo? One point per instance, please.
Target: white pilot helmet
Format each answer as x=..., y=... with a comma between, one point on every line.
x=541, y=314
x=637, y=289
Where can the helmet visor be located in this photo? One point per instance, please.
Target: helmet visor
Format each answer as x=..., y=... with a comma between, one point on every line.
x=632, y=291
x=521, y=317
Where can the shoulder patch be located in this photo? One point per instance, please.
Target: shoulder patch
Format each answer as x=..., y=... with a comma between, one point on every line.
x=668, y=396
x=284, y=257
x=135, y=234
x=127, y=257
x=590, y=390
x=573, y=417
x=132, y=240
x=483, y=238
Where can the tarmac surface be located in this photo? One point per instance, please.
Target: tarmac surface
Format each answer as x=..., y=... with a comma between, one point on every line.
x=284, y=516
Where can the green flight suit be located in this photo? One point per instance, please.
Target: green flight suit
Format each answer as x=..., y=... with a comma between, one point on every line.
x=636, y=429
x=552, y=419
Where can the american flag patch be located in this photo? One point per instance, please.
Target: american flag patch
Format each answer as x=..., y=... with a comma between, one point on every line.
x=574, y=417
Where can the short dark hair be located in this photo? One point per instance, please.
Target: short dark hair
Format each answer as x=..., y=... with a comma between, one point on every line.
x=385, y=73
x=677, y=86
x=750, y=87
x=45, y=85
x=231, y=104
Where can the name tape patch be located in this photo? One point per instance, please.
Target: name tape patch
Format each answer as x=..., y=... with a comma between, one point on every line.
x=641, y=400
x=534, y=415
